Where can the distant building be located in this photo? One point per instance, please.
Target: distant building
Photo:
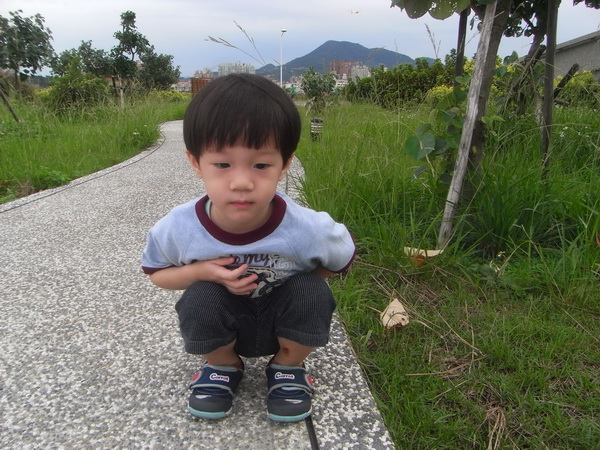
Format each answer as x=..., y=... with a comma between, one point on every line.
x=359, y=71
x=341, y=68
x=198, y=84
x=348, y=70
x=183, y=85
x=341, y=82
x=584, y=50
x=228, y=68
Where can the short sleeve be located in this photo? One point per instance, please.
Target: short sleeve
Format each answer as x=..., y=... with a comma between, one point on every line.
x=332, y=245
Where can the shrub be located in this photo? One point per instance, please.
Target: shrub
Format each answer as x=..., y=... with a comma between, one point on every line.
x=403, y=85
x=581, y=90
x=46, y=178
x=76, y=90
x=168, y=96
x=319, y=88
x=436, y=94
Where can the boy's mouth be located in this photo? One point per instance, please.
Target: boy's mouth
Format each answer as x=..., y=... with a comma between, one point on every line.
x=241, y=204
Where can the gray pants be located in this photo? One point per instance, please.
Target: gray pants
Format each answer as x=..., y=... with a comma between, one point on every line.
x=299, y=310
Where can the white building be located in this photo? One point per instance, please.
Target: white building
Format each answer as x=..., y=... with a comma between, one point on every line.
x=359, y=71
x=584, y=50
x=239, y=67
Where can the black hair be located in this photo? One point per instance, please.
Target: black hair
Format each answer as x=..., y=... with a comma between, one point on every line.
x=241, y=109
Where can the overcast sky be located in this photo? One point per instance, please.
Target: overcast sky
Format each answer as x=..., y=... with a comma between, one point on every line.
x=181, y=27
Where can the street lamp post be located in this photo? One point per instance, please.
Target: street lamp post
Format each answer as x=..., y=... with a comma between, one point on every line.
x=283, y=30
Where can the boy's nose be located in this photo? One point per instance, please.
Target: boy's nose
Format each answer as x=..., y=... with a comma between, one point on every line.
x=241, y=182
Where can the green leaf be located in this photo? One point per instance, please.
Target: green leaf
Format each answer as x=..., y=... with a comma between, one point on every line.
x=463, y=80
x=453, y=135
x=446, y=178
x=419, y=146
x=460, y=95
x=461, y=5
x=417, y=8
x=447, y=102
x=450, y=114
x=441, y=146
x=513, y=57
x=488, y=120
x=423, y=129
x=501, y=71
x=444, y=9
x=427, y=145
x=412, y=146
x=419, y=170
x=434, y=114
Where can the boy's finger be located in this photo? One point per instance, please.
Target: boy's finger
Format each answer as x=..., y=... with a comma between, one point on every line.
x=239, y=271
x=224, y=261
x=247, y=282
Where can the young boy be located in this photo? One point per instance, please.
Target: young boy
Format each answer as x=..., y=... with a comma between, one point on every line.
x=251, y=261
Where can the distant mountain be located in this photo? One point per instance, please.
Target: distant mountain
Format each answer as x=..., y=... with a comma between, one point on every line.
x=320, y=58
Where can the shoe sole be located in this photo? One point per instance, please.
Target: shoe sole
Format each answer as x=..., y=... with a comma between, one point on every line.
x=209, y=415
x=298, y=418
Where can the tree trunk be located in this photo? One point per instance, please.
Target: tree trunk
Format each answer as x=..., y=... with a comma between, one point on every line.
x=499, y=24
x=460, y=45
x=549, y=83
x=515, y=89
x=535, y=44
x=17, y=79
x=471, y=117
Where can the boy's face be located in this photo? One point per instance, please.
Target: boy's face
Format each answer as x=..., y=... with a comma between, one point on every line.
x=241, y=184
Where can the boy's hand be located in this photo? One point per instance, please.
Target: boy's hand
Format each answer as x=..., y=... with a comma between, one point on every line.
x=234, y=279
x=215, y=270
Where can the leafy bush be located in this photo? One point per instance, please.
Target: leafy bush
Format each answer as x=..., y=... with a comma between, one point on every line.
x=581, y=90
x=46, y=149
x=318, y=87
x=436, y=94
x=402, y=85
x=168, y=96
x=77, y=90
x=46, y=178
x=43, y=95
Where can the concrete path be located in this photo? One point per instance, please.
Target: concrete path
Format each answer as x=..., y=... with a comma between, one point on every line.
x=90, y=352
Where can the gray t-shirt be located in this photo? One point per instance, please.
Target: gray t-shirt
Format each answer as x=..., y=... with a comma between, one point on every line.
x=295, y=239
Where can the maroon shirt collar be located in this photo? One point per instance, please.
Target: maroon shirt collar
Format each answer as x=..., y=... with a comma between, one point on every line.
x=278, y=212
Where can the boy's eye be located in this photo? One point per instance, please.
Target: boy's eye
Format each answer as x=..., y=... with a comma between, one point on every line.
x=221, y=165
x=261, y=166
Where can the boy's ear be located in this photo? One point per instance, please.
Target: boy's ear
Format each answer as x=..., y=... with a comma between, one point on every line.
x=194, y=163
x=286, y=167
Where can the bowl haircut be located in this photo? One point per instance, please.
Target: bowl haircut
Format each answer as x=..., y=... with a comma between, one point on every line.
x=241, y=109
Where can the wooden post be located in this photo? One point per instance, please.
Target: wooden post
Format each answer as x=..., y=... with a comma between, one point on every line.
x=7, y=103
x=563, y=82
x=549, y=83
x=464, y=147
x=460, y=45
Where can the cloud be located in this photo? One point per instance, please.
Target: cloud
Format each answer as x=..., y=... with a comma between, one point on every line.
x=181, y=27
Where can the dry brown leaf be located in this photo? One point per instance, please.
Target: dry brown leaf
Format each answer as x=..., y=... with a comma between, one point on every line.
x=394, y=315
x=418, y=255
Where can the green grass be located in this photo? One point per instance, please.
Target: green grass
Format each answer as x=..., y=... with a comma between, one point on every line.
x=45, y=150
x=502, y=348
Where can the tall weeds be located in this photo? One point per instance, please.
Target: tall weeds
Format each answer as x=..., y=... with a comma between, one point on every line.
x=45, y=150
x=502, y=346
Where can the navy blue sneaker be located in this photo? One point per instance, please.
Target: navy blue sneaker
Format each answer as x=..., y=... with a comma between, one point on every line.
x=290, y=392
x=212, y=391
